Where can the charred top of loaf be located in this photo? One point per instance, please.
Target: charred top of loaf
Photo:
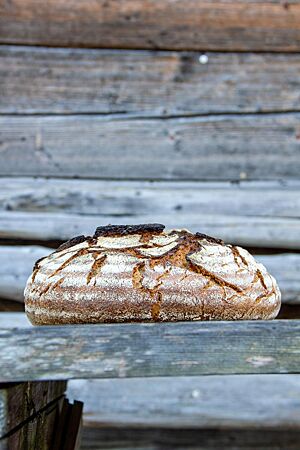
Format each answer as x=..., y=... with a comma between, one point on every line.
x=122, y=230
x=74, y=241
x=209, y=238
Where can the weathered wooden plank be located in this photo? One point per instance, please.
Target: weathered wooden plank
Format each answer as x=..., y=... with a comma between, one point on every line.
x=147, y=350
x=165, y=439
x=14, y=320
x=246, y=231
x=49, y=80
x=138, y=198
x=16, y=264
x=18, y=402
x=237, y=147
x=240, y=25
x=286, y=269
x=262, y=401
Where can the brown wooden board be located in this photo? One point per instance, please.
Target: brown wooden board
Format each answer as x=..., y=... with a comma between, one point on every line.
x=35, y=434
x=132, y=350
x=18, y=402
x=64, y=81
x=240, y=25
x=166, y=439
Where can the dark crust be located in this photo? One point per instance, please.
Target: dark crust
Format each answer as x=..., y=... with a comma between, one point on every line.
x=36, y=264
x=74, y=241
x=122, y=230
x=209, y=238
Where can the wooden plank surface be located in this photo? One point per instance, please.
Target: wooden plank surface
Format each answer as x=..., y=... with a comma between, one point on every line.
x=19, y=402
x=262, y=401
x=246, y=231
x=14, y=320
x=52, y=80
x=138, y=198
x=16, y=263
x=165, y=439
x=234, y=147
x=241, y=25
x=147, y=350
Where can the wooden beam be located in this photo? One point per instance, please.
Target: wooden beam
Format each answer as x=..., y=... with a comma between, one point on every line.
x=104, y=198
x=246, y=231
x=64, y=81
x=262, y=402
x=22, y=401
x=239, y=25
x=36, y=433
x=249, y=213
x=238, y=147
x=147, y=350
x=110, y=438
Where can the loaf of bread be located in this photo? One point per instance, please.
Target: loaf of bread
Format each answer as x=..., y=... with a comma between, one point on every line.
x=143, y=273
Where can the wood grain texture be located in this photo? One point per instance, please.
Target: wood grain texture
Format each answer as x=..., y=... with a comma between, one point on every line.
x=137, y=198
x=234, y=147
x=147, y=350
x=15, y=267
x=240, y=25
x=242, y=230
x=64, y=81
x=19, y=402
x=36, y=433
x=262, y=401
x=164, y=439
x=16, y=263
x=248, y=213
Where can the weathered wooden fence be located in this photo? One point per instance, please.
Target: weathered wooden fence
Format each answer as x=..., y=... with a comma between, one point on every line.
x=180, y=112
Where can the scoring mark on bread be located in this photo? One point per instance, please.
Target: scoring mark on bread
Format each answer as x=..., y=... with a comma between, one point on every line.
x=138, y=274
x=196, y=267
x=96, y=267
x=52, y=286
x=80, y=252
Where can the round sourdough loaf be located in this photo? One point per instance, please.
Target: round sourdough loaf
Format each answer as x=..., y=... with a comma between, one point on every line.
x=143, y=273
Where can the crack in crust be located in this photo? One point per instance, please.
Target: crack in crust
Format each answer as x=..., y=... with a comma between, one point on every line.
x=52, y=286
x=206, y=273
x=123, y=230
x=237, y=256
x=137, y=281
x=261, y=279
x=96, y=268
x=80, y=252
x=155, y=307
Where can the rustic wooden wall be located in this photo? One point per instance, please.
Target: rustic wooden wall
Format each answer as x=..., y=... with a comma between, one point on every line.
x=183, y=112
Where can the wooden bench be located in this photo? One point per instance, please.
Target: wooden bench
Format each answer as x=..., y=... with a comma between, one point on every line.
x=131, y=405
